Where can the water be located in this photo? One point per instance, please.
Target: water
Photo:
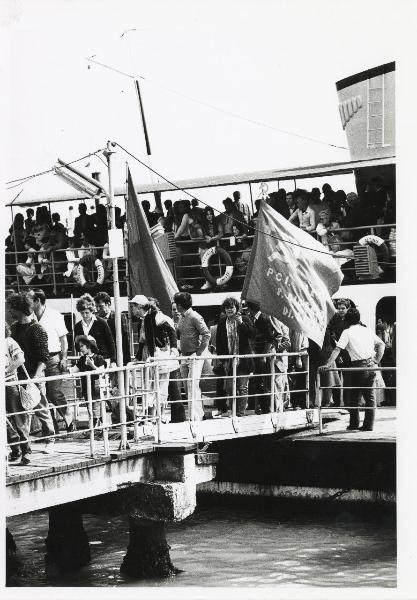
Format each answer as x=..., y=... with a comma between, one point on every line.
x=235, y=546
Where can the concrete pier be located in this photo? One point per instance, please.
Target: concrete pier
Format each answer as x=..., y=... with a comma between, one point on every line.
x=338, y=465
x=152, y=486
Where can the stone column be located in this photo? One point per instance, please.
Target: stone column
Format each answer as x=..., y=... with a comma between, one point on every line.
x=148, y=551
x=67, y=543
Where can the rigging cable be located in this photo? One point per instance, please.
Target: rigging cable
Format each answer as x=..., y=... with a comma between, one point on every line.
x=217, y=108
x=25, y=179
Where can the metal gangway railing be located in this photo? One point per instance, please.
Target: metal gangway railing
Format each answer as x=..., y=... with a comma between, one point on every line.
x=344, y=391
x=144, y=405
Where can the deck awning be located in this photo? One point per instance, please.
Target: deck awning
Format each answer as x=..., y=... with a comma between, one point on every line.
x=322, y=170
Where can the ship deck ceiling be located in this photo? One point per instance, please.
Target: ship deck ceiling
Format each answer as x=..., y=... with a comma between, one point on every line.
x=321, y=170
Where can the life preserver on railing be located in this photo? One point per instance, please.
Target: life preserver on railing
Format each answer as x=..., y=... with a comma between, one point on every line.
x=90, y=261
x=225, y=257
x=379, y=244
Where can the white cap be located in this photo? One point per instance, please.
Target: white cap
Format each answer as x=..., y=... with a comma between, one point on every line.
x=139, y=299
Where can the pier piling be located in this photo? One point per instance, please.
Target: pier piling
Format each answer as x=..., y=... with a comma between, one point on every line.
x=67, y=542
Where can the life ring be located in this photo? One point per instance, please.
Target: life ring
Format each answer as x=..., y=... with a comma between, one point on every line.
x=225, y=258
x=90, y=261
x=378, y=243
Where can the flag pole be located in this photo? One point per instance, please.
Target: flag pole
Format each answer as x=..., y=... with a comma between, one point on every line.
x=117, y=308
x=126, y=246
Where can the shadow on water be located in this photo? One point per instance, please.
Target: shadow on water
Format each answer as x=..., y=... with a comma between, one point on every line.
x=235, y=542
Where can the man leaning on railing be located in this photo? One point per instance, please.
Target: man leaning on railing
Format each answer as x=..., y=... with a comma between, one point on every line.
x=366, y=350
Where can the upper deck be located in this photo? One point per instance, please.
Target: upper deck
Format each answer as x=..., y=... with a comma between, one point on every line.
x=56, y=271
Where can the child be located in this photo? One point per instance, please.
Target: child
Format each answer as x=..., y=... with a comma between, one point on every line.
x=90, y=360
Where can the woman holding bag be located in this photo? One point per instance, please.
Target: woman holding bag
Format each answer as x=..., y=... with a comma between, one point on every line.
x=157, y=340
x=17, y=424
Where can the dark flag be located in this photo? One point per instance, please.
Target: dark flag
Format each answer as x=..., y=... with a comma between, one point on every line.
x=292, y=283
x=148, y=271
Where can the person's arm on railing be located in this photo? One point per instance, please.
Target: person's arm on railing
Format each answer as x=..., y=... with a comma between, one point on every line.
x=331, y=359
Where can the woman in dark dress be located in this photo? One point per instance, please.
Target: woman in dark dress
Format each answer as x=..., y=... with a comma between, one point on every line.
x=96, y=327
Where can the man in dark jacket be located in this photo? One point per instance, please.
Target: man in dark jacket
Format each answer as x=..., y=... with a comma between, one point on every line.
x=103, y=306
x=263, y=343
x=232, y=337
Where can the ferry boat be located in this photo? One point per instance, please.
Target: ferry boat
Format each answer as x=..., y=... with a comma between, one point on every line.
x=367, y=112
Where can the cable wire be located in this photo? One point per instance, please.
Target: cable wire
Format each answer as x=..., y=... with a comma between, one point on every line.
x=328, y=253
x=213, y=107
x=25, y=179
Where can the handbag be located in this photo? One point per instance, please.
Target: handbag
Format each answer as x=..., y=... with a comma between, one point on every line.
x=167, y=366
x=30, y=396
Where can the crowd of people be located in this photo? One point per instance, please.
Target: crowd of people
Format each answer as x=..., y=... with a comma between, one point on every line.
x=187, y=349
x=326, y=214
x=41, y=249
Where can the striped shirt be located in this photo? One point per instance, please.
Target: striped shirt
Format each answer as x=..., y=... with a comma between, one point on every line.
x=33, y=340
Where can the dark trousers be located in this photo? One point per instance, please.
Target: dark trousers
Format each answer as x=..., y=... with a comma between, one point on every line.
x=263, y=384
x=17, y=425
x=298, y=381
x=174, y=394
x=364, y=381
x=220, y=401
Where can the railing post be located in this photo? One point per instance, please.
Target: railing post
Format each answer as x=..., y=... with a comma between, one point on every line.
x=122, y=411
x=191, y=401
x=319, y=395
x=131, y=390
x=234, y=385
x=104, y=388
x=145, y=395
x=342, y=402
x=90, y=414
x=158, y=403
x=272, y=404
x=53, y=270
x=307, y=383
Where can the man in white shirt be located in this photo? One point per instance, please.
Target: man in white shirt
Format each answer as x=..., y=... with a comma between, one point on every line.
x=304, y=214
x=365, y=349
x=53, y=323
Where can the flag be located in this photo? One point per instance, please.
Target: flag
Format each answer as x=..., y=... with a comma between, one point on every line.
x=289, y=278
x=148, y=271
